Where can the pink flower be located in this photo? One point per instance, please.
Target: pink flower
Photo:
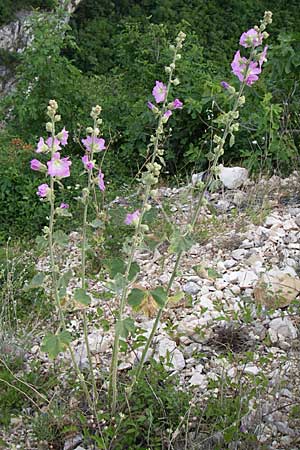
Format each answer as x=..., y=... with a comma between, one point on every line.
x=97, y=143
x=63, y=136
x=150, y=105
x=35, y=164
x=159, y=92
x=41, y=147
x=101, y=181
x=239, y=68
x=251, y=38
x=64, y=206
x=59, y=167
x=88, y=165
x=262, y=57
x=168, y=113
x=43, y=190
x=56, y=143
x=132, y=217
x=224, y=85
x=177, y=104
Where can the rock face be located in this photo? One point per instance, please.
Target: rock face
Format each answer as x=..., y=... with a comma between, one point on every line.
x=16, y=36
x=232, y=177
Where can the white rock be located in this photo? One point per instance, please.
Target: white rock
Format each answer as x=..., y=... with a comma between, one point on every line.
x=197, y=177
x=247, y=278
x=232, y=177
x=220, y=284
x=229, y=263
x=191, y=288
x=282, y=328
x=272, y=220
x=251, y=369
x=238, y=254
x=289, y=225
x=198, y=379
x=168, y=347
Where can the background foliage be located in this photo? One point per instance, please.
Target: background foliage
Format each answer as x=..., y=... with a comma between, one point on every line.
x=97, y=56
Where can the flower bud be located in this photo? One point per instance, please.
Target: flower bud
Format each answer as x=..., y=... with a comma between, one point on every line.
x=57, y=118
x=175, y=82
x=89, y=130
x=49, y=127
x=168, y=69
x=172, y=66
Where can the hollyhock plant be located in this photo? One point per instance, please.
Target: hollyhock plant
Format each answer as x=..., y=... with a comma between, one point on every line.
x=262, y=57
x=42, y=147
x=177, y=104
x=63, y=136
x=43, y=190
x=244, y=70
x=88, y=165
x=58, y=167
x=55, y=143
x=35, y=164
x=251, y=38
x=168, y=113
x=159, y=92
x=100, y=180
x=132, y=218
x=150, y=106
x=97, y=143
x=64, y=205
x=225, y=85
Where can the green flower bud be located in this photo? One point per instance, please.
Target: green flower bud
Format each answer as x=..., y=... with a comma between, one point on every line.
x=49, y=127
x=175, y=82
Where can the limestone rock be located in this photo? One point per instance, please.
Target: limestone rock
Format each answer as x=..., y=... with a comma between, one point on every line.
x=232, y=177
x=276, y=289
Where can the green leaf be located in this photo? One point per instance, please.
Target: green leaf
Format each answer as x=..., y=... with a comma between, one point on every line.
x=37, y=281
x=125, y=327
x=134, y=270
x=180, y=243
x=212, y=273
x=63, y=283
x=160, y=296
x=136, y=297
x=81, y=296
x=41, y=243
x=115, y=266
x=97, y=223
x=60, y=238
x=53, y=344
x=118, y=284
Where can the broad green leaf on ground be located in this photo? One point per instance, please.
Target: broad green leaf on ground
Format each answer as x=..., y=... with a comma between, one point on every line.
x=37, y=281
x=53, y=344
x=136, y=297
x=160, y=296
x=180, y=243
x=125, y=327
x=60, y=238
x=81, y=296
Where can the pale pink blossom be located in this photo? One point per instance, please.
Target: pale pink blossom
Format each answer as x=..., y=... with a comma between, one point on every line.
x=251, y=38
x=159, y=92
x=59, y=167
x=43, y=190
x=132, y=217
x=98, y=144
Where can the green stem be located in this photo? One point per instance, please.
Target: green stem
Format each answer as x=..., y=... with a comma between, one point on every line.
x=83, y=275
x=55, y=281
x=179, y=255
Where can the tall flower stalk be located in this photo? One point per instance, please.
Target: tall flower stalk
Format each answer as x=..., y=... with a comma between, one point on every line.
x=92, y=144
x=148, y=179
x=58, y=168
x=247, y=71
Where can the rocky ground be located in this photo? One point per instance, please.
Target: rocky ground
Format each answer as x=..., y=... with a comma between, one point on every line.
x=239, y=310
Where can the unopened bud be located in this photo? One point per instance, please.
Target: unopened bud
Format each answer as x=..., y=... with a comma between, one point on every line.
x=176, y=82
